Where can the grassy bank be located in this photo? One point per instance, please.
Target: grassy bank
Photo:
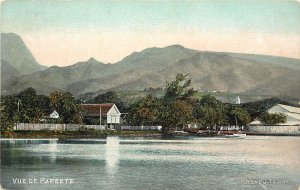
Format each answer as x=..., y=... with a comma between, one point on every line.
x=76, y=134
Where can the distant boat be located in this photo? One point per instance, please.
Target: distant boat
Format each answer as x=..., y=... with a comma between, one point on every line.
x=236, y=136
x=180, y=132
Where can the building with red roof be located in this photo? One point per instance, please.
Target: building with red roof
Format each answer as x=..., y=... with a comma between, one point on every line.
x=108, y=111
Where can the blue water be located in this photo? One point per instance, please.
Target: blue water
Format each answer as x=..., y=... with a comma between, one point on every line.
x=152, y=163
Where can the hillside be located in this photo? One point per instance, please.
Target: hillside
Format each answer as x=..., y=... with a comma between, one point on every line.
x=8, y=71
x=210, y=71
x=60, y=77
x=152, y=67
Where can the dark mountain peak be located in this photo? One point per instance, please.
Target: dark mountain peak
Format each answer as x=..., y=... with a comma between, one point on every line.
x=92, y=60
x=10, y=36
x=175, y=46
x=155, y=50
x=12, y=41
x=156, y=57
x=15, y=52
x=171, y=48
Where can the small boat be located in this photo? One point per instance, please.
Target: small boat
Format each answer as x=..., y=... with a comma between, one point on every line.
x=180, y=132
x=236, y=136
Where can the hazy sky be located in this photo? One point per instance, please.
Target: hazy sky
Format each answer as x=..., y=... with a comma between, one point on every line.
x=64, y=32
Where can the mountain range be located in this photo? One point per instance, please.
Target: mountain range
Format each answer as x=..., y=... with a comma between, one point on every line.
x=152, y=67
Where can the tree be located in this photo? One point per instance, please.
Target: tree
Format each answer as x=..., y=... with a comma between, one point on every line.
x=67, y=106
x=179, y=88
x=177, y=104
x=239, y=116
x=6, y=121
x=9, y=105
x=273, y=118
x=173, y=110
x=27, y=107
x=43, y=102
x=256, y=108
x=144, y=112
x=211, y=112
x=176, y=114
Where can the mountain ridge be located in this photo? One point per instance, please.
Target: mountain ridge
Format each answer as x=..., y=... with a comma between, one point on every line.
x=16, y=53
x=151, y=67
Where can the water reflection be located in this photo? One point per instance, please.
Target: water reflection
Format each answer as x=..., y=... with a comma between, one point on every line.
x=112, y=154
x=52, y=149
x=27, y=141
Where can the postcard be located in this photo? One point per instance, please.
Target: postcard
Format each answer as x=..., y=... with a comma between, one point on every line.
x=140, y=94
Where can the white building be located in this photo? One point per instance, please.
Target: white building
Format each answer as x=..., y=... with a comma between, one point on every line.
x=292, y=113
x=237, y=100
x=292, y=125
x=54, y=115
x=109, y=111
x=113, y=115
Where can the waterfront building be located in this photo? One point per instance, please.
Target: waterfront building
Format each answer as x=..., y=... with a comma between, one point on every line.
x=108, y=113
x=291, y=126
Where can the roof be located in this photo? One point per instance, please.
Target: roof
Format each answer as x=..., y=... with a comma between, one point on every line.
x=290, y=108
x=48, y=111
x=255, y=122
x=94, y=109
x=258, y=123
x=54, y=115
x=294, y=115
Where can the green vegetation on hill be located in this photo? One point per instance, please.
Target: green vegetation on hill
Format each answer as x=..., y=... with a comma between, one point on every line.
x=255, y=75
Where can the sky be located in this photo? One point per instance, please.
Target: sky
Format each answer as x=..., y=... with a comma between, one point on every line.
x=63, y=32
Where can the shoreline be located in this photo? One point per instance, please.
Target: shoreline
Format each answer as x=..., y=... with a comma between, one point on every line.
x=270, y=134
x=76, y=134
x=107, y=133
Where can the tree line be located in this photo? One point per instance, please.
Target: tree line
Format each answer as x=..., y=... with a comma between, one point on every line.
x=177, y=108
x=29, y=107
